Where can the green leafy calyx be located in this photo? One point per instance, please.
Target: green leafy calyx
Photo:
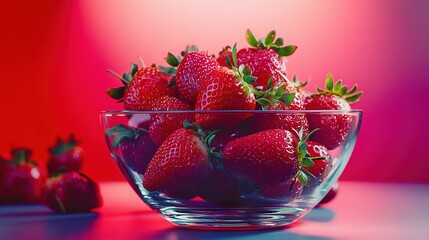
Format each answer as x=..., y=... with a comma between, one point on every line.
x=270, y=41
x=63, y=146
x=337, y=88
x=121, y=132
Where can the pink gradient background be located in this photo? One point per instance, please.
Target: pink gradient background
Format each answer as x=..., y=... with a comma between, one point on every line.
x=54, y=59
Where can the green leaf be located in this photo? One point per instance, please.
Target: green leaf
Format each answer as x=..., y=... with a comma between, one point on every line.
x=343, y=90
x=172, y=82
x=127, y=76
x=270, y=82
x=354, y=98
x=210, y=138
x=353, y=90
x=320, y=90
x=329, y=82
x=307, y=162
x=234, y=54
x=337, y=87
x=251, y=39
x=188, y=125
x=172, y=60
x=142, y=64
x=116, y=93
x=307, y=173
x=228, y=61
x=286, y=51
x=249, y=79
x=269, y=39
x=279, y=42
x=167, y=70
x=280, y=91
x=287, y=98
x=124, y=81
x=303, y=179
x=246, y=70
x=263, y=101
x=133, y=69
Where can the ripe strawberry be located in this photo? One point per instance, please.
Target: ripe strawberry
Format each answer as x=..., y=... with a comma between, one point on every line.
x=161, y=125
x=283, y=191
x=225, y=53
x=322, y=164
x=225, y=136
x=225, y=89
x=332, y=193
x=265, y=59
x=191, y=71
x=219, y=187
x=281, y=96
x=71, y=192
x=266, y=158
x=181, y=163
x=142, y=87
x=134, y=146
x=333, y=129
x=21, y=179
x=65, y=155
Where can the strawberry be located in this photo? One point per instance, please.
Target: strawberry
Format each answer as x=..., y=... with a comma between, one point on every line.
x=225, y=53
x=21, y=179
x=71, y=192
x=161, y=125
x=225, y=89
x=134, y=146
x=283, y=191
x=142, y=87
x=65, y=155
x=181, y=162
x=276, y=164
x=332, y=193
x=225, y=136
x=191, y=71
x=282, y=96
x=219, y=187
x=322, y=164
x=265, y=58
x=333, y=129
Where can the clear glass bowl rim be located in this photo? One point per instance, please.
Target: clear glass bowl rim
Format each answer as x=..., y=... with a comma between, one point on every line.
x=128, y=112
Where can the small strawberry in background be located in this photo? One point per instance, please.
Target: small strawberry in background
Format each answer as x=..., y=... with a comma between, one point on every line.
x=21, y=178
x=333, y=129
x=66, y=155
x=71, y=192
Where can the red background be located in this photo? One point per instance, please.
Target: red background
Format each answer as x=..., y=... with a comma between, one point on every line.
x=54, y=56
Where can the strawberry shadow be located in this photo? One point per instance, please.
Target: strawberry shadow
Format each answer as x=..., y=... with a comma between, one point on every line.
x=319, y=214
x=178, y=233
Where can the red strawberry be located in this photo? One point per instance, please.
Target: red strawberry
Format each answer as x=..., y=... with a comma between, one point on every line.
x=134, y=146
x=225, y=89
x=282, y=96
x=332, y=193
x=321, y=164
x=266, y=158
x=225, y=53
x=71, y=192
x=67, y=156
x=21, y=179
x=219, y=187
x=265, y=58
x=142, y=88
x=333, y=129
x=180, y=164
x=283, y=191
x=161, y=125
x=191, y=71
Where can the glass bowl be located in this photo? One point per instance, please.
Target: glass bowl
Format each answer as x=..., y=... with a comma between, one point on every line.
x=222, y=193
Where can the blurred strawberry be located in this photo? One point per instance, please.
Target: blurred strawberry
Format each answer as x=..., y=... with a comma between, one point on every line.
x=21, y=179
x=161, y=125
x=142, y=87
x=265, y=58
x=322, y=164
x=134, y=146
x=284, y=191
x=333, y=129
x=191, y=71
x=65, y=155
x=332, y=193
x=225, y=53
x=71, y=192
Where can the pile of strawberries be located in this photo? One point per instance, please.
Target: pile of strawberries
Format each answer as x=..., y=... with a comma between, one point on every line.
x=223, y=157
x=64, y=188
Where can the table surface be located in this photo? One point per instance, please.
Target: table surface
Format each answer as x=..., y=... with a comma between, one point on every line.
x=360, y=211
